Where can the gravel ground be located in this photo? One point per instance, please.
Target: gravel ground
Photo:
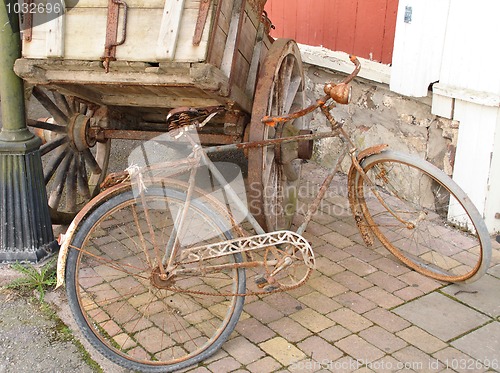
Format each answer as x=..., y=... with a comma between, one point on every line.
x=37, y=337
x=33, y=338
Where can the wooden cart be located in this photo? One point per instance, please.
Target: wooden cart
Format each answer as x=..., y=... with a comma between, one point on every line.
x=114, y=69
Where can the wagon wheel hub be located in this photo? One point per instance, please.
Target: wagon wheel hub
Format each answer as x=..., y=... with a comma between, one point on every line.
x=287, y=153
x=290, y=151
x=72, y=172
x=79, y=133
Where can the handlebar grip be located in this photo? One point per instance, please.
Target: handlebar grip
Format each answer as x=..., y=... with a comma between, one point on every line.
x=341, y=92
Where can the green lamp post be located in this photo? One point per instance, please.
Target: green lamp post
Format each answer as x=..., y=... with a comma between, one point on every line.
x=25, y=228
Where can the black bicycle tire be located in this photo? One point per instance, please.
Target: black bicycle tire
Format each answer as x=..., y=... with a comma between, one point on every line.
x=80, y=319
x=438, y=176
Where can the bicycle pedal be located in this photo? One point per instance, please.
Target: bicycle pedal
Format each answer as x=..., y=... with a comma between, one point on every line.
x=270, y=288
x=260, y=279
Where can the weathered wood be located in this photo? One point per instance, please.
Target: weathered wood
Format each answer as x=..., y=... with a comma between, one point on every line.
x=55, y=37
x=169, y=29
x=220, y=32
x=157, y=65
x=232, y=38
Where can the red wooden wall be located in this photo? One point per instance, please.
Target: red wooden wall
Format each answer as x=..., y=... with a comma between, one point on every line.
x=365, y=28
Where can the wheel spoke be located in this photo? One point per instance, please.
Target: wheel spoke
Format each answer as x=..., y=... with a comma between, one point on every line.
x=73, y=105
x=71, y=186
x=284, y=83
x=83, y=108
x=59, y=116
x=54, y=163
x=92, y=163
x=83, y=182
x=293, y=90
x=61, y=101
x=59, y=181
x=48, y=147
x=46, y=126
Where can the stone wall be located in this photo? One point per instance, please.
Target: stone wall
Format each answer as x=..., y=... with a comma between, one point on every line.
x=377, y=115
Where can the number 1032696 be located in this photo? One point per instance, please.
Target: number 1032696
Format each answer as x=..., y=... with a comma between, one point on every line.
x=35, y=8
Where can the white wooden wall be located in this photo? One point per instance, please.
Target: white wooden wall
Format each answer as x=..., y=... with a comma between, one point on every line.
x=418, y=45
x=458, y=49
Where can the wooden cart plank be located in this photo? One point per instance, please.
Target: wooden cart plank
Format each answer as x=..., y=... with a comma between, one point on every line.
x=169, y=29
x=158, y=65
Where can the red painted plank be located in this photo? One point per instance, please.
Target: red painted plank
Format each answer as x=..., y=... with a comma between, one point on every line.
x=303, y=11
x=370, y=28
x=290, y=15
x=347, y=13
x=362, y=27
x=389, y=31
x=316, y=23
x=275, y=12
x=331, y=26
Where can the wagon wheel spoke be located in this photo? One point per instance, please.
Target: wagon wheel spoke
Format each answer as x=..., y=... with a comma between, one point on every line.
x=50, y=106
x=62, y=103
x=71, y=184
x=46, y=126
x=52, y=145
x=274, y=172
x=55, y=161
x=60, y=178
x=82, y=179
x=73, y=168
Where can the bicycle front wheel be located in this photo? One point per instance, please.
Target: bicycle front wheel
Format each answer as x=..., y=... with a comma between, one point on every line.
x=423, y=217
x=125, y=308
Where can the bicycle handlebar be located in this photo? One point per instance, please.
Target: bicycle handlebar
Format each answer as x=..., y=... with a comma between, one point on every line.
x=340, y=93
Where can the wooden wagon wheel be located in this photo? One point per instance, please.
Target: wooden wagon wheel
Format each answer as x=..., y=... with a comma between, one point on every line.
x=74, y=162
x=274, y=172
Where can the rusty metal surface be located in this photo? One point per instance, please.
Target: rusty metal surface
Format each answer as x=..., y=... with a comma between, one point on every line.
x=340, y=93
x=354, y=196
x=112, y=30
x=273, y=120
x=337, y=92
x=355, y=205
x=269, y=75
x=201, y=21
x=257, y=5
x=27, y=23
x=65, y=239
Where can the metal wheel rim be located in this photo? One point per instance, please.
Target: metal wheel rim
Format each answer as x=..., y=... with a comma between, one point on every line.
x=412, y=261
x=272, y=193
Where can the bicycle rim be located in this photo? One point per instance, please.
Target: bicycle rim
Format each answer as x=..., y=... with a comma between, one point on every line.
x=122, y=305
x=421, y=216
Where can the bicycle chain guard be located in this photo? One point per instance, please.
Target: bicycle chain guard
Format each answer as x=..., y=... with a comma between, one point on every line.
x=284, y=252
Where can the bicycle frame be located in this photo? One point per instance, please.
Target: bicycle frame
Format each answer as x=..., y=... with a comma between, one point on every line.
x=169, y=259
x=166, y=257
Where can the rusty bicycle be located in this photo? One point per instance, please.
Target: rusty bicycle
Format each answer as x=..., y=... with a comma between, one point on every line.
x=157, y=268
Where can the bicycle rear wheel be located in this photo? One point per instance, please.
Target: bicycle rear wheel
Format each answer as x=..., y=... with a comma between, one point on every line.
x=122, y=305
x=423, y=217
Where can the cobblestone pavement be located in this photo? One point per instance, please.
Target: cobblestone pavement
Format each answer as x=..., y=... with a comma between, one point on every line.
x=363, y=311
x=360, y=311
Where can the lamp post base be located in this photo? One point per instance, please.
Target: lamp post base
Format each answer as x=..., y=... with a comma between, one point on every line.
x=25, y=227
